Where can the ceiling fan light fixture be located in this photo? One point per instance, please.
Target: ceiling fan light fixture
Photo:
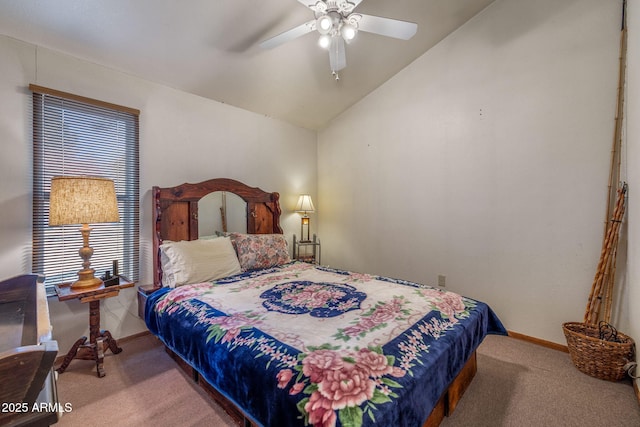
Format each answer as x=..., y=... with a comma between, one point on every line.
x=348, y=32
x=324, y=24
x=338, y=25
x=324, y=41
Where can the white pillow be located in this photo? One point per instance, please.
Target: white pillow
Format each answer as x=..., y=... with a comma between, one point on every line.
x=197, y=261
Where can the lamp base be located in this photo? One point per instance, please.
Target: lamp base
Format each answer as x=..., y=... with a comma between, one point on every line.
x=304, y=223
x=86, y=280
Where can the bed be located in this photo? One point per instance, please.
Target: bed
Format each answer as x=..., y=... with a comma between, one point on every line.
x=285, y=343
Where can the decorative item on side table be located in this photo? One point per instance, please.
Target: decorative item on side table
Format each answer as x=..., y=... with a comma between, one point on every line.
x=304, y=206
x=110, y=280
x=307, y=251
x=83, y=200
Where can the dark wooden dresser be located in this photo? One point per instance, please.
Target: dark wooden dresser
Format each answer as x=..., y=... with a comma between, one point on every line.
x=27, y=353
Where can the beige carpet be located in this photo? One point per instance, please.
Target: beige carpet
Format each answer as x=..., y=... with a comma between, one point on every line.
x=143, y=386
x=518, y=384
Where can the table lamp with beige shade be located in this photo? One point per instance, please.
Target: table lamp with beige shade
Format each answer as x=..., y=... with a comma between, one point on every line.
x=83, y=200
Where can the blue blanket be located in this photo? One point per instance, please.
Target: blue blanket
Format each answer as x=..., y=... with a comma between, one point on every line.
x=302, y=345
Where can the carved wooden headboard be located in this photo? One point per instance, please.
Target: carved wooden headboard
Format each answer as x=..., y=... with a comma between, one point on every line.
x=175, y=212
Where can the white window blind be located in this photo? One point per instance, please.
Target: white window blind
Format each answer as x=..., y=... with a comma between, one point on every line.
x=73, y=135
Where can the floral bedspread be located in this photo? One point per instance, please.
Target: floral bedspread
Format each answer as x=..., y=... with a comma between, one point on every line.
x=303, y=345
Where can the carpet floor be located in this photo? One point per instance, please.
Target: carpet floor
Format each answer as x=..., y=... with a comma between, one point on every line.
x=517, y=384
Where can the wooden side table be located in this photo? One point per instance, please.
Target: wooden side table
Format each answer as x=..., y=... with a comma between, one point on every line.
x=99, y=340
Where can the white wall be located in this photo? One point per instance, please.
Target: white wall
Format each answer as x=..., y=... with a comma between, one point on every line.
x=183, y=138
x=486, y=160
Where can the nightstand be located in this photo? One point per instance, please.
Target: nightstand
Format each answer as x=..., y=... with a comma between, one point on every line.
x=307, y=250
x=99, y=340
x=143, y=293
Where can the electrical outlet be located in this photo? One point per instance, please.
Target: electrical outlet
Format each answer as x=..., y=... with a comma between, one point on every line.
x=442, y=280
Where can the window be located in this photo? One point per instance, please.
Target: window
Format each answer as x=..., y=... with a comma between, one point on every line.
x=73, y=135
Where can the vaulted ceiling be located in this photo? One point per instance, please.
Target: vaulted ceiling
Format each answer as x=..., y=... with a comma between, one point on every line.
x=210, y=47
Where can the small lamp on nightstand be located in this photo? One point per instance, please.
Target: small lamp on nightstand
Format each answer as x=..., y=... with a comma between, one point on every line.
x=83, y=200
x=304, y=206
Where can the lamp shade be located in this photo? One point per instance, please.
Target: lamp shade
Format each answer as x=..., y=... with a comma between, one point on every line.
x=305, y=204
x=82, y=200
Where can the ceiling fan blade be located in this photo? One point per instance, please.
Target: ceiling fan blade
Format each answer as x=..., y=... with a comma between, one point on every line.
x=337, y=54
x=308, y=3
x=387, y=27
x=291, y=34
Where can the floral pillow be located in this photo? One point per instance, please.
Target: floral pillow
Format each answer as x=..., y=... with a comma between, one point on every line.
x=260, y=250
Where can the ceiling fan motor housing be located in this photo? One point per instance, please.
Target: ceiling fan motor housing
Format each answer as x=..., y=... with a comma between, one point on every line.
x=334, y=18
x=341, y=6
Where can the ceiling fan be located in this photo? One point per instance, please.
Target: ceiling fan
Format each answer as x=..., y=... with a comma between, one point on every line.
x=338, y=24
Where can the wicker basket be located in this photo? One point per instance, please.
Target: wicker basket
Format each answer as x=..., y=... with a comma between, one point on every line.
x=597, y=357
